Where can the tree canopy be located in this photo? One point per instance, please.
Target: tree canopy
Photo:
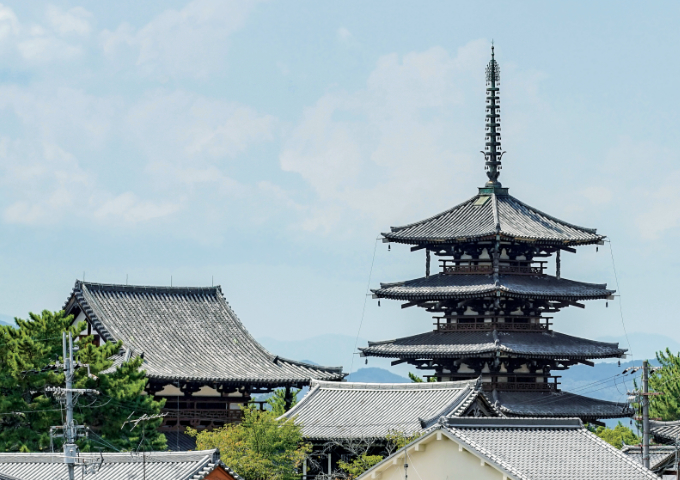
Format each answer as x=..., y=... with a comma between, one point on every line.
x=665, y=379
x=261, y=447
x=617, y=436
x=27, y=411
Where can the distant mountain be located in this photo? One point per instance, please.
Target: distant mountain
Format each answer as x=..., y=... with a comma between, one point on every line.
x=643, y=345
x=7, y=320
x=330, y=350
x=376, y=375
x=603, y=381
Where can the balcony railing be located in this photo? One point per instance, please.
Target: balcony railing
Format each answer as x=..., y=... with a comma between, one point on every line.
x=519, y=386
x=485, y=267
x=486, y=327
x=486, y=323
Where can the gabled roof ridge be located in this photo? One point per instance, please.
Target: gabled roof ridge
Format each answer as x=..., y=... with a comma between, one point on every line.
x=452, y=209
x=554, y=219
x=457, y=385
x=148, y=288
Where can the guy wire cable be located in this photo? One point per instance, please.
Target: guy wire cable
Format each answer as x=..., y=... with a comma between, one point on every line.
x=363, y=310
x=618, y=289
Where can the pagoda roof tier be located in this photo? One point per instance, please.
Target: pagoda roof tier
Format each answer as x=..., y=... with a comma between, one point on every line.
x=517, y=344
x=556, y=404
x=489, y=214
x=450, y=287
x=186, y=333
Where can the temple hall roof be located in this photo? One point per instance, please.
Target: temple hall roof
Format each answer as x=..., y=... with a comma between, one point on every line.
x=526, y=344
x=449, y=287
x=336, y=410
x=556, y=404
x=187, y=333
x=486, y=215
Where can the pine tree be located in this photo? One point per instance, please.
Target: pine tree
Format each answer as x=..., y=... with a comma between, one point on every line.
x=667, y=381
x=27, y=412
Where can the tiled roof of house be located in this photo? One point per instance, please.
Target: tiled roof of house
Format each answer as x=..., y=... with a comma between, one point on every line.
x=527, y=449
x=485, y=216
x=445, y=287
x=333, y=410
x=660, y=456
x=526, y=344
x=187, y=333
x=556, y=404
x=566, y=450
x=116, y=466
x=665, y=432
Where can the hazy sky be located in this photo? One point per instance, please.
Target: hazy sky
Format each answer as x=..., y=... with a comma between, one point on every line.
x=267, y=144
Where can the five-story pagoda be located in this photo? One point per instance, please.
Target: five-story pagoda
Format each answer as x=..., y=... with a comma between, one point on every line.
x=493, y=298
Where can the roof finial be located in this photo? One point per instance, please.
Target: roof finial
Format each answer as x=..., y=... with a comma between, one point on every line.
x=492, y=150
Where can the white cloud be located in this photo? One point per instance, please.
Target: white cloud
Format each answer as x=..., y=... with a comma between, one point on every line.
x=36, y=43
x=392, y=149
x=128, y=208
x=73, y=21
x=42, y=183
x=188, y=42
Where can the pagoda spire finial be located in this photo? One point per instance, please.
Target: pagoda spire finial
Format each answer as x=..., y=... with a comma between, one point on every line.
x=492, y=149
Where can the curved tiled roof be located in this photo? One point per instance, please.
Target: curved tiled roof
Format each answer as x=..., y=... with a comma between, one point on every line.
x=556, y=404
x=660, y=456
x=525, y=344
x=333, y=410
x=449, y=287
x=484, y=216
x=665, y=432
x=116, y=466
x=187, y=333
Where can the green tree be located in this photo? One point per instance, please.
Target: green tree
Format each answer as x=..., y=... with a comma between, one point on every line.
x=27, y=412
x=359, y=465
x=261, y=447
x=616, y=436
x=666, y=380
x=416, y=379
x=277, y=401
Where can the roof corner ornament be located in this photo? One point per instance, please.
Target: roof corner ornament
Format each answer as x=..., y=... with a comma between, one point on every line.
x=492, y=149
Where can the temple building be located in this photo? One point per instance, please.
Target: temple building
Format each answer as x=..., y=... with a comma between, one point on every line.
x=197, y=353
x=493, y=298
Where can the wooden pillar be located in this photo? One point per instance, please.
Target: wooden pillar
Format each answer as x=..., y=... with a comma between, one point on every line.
x=558, y=265
x=427, y=262
x=288, y=398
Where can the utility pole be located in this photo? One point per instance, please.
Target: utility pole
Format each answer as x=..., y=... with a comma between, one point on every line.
x=645, y=414
x=66, y=396
x=70, y=448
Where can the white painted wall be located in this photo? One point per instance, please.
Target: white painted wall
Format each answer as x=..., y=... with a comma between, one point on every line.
x=441, y=460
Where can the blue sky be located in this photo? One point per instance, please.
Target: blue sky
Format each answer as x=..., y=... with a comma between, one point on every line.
x=266, y=144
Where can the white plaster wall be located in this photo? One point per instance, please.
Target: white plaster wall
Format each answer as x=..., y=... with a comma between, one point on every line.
x=441, y=460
